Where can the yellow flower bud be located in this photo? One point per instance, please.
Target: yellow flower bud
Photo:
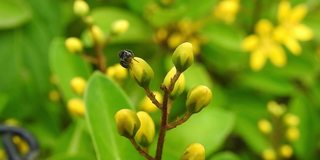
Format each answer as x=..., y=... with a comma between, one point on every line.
x=269, y=154
x=178, y=86
x=292, y=133
x=97, y=35
x=141, y=71
x=12, y=122
x=182, y=57
x=265, y=126
x=147, y=105
x=74, y=45
x=76, y=107
x=21, y=144
x=117, y=72
x=198, y=98
x=174, y=40
x=275, y=109
x=3, y=154
x=120, y=26
x=291, y=120
x=145, y=134
x=194, y=151
x=285, y=151
x=80, y=8
x=78, y=85
x=127, y=123
x=54, y=96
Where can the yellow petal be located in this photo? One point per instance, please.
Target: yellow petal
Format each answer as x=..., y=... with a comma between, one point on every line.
x=257, y=60
x=280, y=33
x=302, y=32
x=298, y=13
x=293, y=46
x=250, y=43
x=264, y=27
x=277, y=56
x=283, y=10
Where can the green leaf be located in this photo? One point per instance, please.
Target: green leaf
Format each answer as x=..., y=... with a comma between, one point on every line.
x=225, y=156
x=138, y=30
x=103, y=99
x=205, y=128
x=66, y=66
x=13, y=13
x=3, y=101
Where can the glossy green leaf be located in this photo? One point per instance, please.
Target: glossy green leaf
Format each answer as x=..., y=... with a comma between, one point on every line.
x=205, y=128
x=103, y=99
x=13, y=13
x=66, y=66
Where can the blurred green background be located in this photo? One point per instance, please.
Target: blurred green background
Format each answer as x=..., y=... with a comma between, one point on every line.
x=33, y=54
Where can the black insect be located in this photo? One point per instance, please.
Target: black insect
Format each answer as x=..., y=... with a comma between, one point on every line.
x=125, y=57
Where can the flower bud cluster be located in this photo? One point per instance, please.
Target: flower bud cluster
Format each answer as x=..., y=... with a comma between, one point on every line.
x=76, y=106
x=283, y=127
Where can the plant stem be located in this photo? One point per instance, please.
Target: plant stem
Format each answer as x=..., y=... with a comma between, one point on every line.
x=100, y=57
x=179, y=121
x=140, y=150
x=164, y=117
x=152, y=97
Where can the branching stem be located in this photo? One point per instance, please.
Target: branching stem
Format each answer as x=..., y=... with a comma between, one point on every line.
x=152, y=97
x=141, y=150
x=178, y=121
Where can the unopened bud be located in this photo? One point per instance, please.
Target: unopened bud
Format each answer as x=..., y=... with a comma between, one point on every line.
x=265, y=126
x=182, y=57
x=286, y=151
x=76, y=107
x=120, y=26
x=127, y=123
x=291, y=120
x=194, y=151
x=141, y=71
x=292, y=134
x=117, y=72
x=198, y=98
x=97, y=35
x=80, y=8
x=178, y=86
x=269, y=154
x=74, y=45
x=147, y=105
x=78, y=85
x=275, y=109
x=145, y=134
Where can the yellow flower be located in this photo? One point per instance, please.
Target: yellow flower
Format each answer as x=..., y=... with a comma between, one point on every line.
x=117, y=72
x=147, y=105
x=194, y=151
x=178, y=87
x=78, y=84
x=286, y=151
x=127, y=122
x=275, y=109
x=120, y=26
x=76, y=107
x=291, y=120
x=227, y=10
x=146, y=132
x=264, y=126
x=292, y=134
x=269, y=154
x=80, y=8
x=263, y=46
x=141, y=71
x=182, y=56
x=74, y=45
x=198, y=98
x=290, y=29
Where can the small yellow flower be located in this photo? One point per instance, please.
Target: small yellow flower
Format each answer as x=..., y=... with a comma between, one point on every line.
x=265, y=126
x=74, y=45
x=227, y=10
x=80, y=8
x=76, y=107
x=54, y=96
x=291, y=120
x=147, y=105
x=120, y=26
x=275, y=109
x=292, y=134
x=198, y=98
x=117, y=72
x=175, y=39
x=182, y=57
x=269, y=154
x=146, y=132
x=97, y=35
x=141, y=71
x=286, y=151
x=263, y=46
x=12, y=122
x=290, y=29
x=127, y=123
x=78, y=85
x=194, y=151
x=179, y=85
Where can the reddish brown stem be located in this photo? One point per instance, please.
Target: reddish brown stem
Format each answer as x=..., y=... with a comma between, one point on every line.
x=178, y=121
x=140, y=150
x=100, y=57
x=152, y=97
